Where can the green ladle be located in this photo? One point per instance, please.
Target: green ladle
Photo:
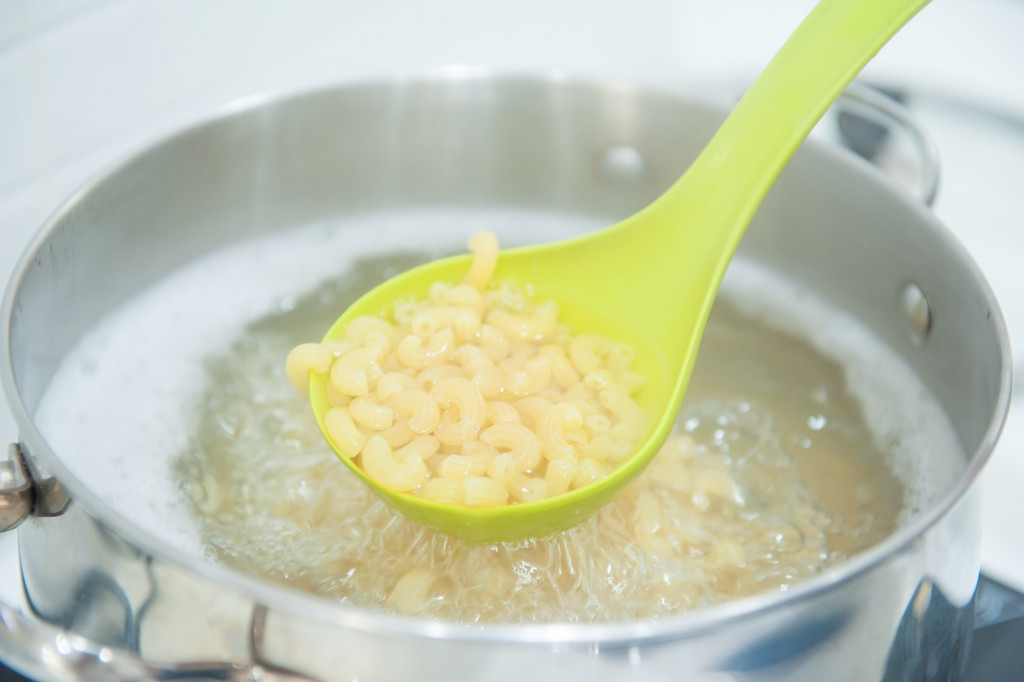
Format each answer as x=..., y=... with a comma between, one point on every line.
x=651, y=279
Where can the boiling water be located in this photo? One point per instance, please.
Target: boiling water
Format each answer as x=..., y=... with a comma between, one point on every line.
x=786, y=461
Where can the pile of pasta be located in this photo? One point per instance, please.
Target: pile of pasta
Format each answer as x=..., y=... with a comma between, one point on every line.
x=476, y=396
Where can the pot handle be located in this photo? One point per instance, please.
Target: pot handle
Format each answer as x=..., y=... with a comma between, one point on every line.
x=42, y=651
x=867, y=119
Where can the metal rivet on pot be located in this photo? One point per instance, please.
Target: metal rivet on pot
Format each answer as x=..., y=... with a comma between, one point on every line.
x=917, y=312
x=623, y=164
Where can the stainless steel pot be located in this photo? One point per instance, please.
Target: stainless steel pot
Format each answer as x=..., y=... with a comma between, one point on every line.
x=111, y=601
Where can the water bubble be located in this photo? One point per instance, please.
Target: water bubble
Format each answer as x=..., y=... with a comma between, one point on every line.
x=285, y=305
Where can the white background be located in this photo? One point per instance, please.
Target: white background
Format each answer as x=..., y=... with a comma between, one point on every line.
x=83, y=82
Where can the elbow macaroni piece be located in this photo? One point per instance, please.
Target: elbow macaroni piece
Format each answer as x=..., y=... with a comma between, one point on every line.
x=353, y=373
x=484, y=246
x=422, y=411
x=476, y=396
x=306, y=358
x=380, y=464
x=366, y=412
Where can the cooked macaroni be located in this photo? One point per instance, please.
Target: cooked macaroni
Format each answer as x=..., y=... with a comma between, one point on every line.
x=476, y=396
x=746, y=497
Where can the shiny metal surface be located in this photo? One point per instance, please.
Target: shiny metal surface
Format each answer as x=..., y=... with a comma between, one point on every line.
x=43, y=652
x=901, y=609
x=15, y=490
x=873, y=107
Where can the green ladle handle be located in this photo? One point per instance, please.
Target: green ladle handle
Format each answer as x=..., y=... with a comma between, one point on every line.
x=723, y=188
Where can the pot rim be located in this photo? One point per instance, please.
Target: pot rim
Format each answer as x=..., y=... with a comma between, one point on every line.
x=293, y=602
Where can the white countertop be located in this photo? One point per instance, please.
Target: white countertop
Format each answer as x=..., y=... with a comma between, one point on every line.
x=83, y=82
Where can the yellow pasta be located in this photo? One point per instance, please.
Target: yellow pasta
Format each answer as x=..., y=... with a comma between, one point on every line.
x=562, y=371
x=412, y=591
x=446, y=490
x=461, y=466
x=537, y=326
x=532, y=378
x=526, y=489
x=462, y=295
x=370, y=331
x=559, y=476
x=484, y=246
x=414, y=352
x=463, y=410
x=422, y=411
x=556, y=430
x=394, y=383
x=309, y=357
x=629, y=414
x=484, y=375
x=380, y=464
x=589, y=471
x=337, y=347
x=503, y=470
x=432, y=375
x=397, y=436
x=465, y=323
x=477, y=396
x=343, y=431
x=493, y=343
x=420, y=446
x=354, y=372
x=365, y=411
x=532, y=410
x=522, y=444
x=336, y=398
x=586, y=351
x=481, y=491
x=501, y=413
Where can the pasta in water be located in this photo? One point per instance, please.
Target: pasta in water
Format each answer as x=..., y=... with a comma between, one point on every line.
x=772, y=476
x=476, y=396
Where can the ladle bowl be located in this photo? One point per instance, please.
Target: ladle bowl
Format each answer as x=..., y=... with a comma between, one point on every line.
x=650, y=280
